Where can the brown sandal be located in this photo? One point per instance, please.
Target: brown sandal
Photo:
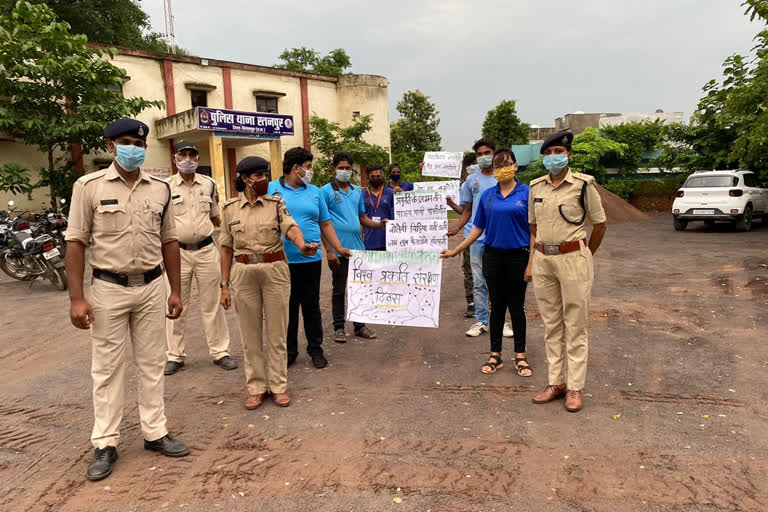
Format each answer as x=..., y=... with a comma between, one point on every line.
x=365, y=333
x=521, y=368
x=494, y=363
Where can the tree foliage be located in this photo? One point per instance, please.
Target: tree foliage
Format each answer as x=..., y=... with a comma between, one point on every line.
x=109, y=22
x=307, y=60
x=640, y=138
x=328, y=138
x=14, y=178
x=592, y=151
x=415, y=132
x=503, y=126
x=57, y=90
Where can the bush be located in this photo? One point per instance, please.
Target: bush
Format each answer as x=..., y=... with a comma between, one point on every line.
x=658, y=186
x=622, y=188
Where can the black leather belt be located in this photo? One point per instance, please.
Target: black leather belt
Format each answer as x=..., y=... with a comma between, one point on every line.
x=128, y=280
x=198, y=245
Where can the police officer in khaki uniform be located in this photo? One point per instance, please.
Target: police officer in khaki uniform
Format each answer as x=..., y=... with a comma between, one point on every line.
x=196, y=207
x=558, y=205
x=261, y=281
x=129, y=216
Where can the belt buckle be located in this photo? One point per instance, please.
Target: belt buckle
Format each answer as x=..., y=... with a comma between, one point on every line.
x=135, y=280
x=256, y=258
x=551, y=250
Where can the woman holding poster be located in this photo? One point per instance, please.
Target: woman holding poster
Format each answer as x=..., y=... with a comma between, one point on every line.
x=502, y=214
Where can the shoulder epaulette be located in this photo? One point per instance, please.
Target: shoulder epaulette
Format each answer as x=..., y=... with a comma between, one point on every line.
x=538, y=180
x=584, y=177
x=91, y=176
x=270, y=197
x=231, y=201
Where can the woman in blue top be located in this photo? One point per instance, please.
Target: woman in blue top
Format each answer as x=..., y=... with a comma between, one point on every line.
x=307, y=207
x=502, y=214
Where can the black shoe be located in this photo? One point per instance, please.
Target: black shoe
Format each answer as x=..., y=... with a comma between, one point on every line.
x=226, y=363
x=168, y=446
x=470, y=310
x=319, y=360
x=292, y=359
x=101, y=465
x=172, y=367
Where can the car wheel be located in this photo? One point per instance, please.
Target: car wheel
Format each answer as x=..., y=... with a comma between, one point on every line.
x=680, y=225
x=745, y=222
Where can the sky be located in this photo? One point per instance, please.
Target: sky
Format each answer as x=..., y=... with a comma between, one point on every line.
x=551, y=56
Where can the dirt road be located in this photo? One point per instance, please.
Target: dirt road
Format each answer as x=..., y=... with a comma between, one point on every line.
x=675, y=415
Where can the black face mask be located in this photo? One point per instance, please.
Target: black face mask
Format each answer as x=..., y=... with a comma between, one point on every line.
x=394, y=177
x=376, y=182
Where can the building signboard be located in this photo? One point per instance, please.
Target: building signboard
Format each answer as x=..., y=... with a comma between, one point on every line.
x=256, y=123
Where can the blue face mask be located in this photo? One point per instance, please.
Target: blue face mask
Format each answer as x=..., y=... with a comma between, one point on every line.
x=130, y=157
x=485, y=161
x=556, y=163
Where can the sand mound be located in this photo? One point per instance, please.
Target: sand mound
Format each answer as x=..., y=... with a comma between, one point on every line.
x=618, y=210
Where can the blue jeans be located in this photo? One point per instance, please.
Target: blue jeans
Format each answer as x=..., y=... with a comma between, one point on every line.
x=479, y=288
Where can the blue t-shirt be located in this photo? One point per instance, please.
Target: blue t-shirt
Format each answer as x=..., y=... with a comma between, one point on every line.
x=345, y=209
x=504, y=219
x=471, y=190
x=405, y=186
x=383, y=207
x=307, y=207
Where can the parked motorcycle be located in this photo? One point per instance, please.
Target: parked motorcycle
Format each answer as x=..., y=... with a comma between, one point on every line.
x=54, y=223
x=25, y=255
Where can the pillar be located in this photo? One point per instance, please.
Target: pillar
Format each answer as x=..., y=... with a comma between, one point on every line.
x=276, y=158
x=216, y=149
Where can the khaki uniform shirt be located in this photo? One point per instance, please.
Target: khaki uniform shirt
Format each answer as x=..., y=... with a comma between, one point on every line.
x=128, y=224
x=544, y=203
x=255, y=228
x=194, y=206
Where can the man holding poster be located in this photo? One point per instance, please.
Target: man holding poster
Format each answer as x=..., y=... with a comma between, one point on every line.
x=379, y=204
x=345, y=204
x=395, y=185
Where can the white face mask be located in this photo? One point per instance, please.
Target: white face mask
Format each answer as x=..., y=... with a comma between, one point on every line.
x=343, y=175
x=307, y=178
x=186, y=166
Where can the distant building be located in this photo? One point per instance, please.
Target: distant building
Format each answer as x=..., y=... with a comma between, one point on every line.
x=539, y=134
x=577, y=122
x=230, y=109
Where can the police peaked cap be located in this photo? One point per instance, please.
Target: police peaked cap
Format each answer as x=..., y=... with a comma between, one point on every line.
x=130, y=127
x=559, y=139
x=185, y=144
x=252, y=164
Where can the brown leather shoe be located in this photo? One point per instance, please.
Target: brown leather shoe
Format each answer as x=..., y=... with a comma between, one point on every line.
x=281, y=399
x=573, y=401
x=549, y=393
x=254, y=401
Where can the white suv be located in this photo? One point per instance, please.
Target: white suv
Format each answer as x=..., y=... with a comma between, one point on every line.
x=733, y=196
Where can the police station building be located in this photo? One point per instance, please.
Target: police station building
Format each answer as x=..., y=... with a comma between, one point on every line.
x=230, y=109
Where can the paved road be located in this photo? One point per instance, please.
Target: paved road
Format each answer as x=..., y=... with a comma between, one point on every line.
x=677, y=350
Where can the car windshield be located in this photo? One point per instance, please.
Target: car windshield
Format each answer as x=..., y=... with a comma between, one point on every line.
x=711, y=181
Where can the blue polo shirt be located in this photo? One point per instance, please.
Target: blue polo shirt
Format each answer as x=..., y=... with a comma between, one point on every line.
x=405, y=186
x=307, y=207
x=345, y=209
x=471, y=191
x=378, y=207
x=504, y=219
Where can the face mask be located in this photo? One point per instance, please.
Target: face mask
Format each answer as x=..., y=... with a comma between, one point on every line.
x=505, y=174
x=260, y=187
x=130, y=158
x=186, y=166
x=394, y=177
x=555, y=163
x=343, y=175
x=485, y=161
x=376, y=182
x=307, y=178
x=471, y=169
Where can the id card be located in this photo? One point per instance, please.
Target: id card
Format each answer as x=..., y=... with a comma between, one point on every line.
x=376, y=219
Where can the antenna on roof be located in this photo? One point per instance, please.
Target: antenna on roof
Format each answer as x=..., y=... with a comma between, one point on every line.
x=169, y=32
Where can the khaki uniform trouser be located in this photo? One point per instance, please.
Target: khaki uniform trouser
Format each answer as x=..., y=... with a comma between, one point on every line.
x=563, y=285
x=124, y=316
x=261, y=293
x=202, y=266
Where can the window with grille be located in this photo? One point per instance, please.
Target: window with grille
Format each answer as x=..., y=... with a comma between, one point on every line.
x=199, y=98
x=266, y=104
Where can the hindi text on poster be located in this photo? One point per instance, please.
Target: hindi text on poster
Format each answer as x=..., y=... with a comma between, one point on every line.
x=394, y=288
x=443, y=164
x=417, y=235
x=420, y=206
x=446, y=188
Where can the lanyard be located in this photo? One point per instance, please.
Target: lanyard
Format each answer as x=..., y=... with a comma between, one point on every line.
x=381, y=194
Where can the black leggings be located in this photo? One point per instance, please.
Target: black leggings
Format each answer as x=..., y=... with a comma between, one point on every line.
x=504, y=272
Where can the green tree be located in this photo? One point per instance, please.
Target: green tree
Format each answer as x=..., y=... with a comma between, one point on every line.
x=328, y=138
x=58, y=90
x=592, y=152
x=14, y=178
x=641, y=138
x=109, y=22
x=502, y=125
x=415, y=132
x=307, y=60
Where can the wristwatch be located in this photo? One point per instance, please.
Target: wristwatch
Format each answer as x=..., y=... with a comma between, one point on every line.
x=224, y=284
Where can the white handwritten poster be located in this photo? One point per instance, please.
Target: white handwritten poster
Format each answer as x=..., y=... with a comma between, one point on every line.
x=420, y=206
x=394, y=288
x=443, y=164
x=445, y=187
x=415, y=235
